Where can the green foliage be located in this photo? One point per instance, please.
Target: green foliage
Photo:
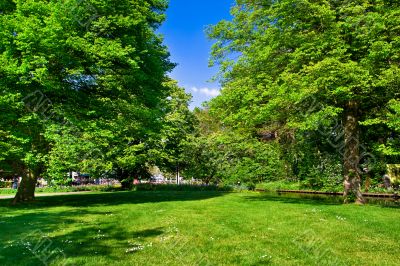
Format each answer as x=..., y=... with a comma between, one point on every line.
x=251, y=161
x=177, y=125
x=220, y=155
x=392, y=121
x=182, y=187
x=83, y=86
x=279, y=185
x=291, y=52
x=63, y=189
x=6, y=184
x=300, y=69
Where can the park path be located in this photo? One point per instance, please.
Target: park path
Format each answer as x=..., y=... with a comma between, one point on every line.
x=48, y=194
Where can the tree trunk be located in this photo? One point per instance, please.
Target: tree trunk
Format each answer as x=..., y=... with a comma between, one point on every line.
x=177, y=175
x=26, y=190
x=352, y=179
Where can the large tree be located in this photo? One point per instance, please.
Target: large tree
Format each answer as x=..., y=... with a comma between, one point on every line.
x=90, y=75
x=177, y=125
x=301, y=65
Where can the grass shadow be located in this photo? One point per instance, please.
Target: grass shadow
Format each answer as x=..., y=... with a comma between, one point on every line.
x=113, y=198
x=297, y=199
x=26, y=241
x=313, y=199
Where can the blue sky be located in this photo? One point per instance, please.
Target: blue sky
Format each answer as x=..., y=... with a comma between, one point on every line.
x=184, y=33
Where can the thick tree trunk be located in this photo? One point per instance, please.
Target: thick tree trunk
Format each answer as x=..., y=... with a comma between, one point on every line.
x=26, y=190
x=352, y=179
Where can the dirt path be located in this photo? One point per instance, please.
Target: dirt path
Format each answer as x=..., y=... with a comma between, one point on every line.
x=48, y=194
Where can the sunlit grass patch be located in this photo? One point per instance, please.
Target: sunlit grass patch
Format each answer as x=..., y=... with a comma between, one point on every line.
x=196, y=228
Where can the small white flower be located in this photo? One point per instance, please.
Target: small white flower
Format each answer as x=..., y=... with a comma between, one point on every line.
x=340, y=218
x=266, y=257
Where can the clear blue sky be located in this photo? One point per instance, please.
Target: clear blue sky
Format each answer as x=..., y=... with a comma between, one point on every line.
x=184, y=33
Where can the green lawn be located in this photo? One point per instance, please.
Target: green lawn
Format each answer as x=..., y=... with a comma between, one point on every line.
x=196, y=228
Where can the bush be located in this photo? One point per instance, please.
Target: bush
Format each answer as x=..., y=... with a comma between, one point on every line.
x=78, y=188
x=6, y=184
x=56, y=189
x=173, y=187
x=279, y=185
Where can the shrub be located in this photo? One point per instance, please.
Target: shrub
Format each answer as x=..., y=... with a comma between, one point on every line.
x=6, y=184
x=173, y=187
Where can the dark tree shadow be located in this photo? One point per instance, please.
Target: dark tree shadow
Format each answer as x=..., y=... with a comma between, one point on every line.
x=24, y=228
x=31, y=246
x=308, y=199
x=113, y=198
x=313, y=199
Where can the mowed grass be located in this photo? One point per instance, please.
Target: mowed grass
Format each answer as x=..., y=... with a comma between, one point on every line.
x=196, y=228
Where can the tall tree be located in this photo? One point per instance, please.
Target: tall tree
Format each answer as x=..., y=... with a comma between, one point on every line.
x=90, y=74
x=177, y=125
x=343, y=55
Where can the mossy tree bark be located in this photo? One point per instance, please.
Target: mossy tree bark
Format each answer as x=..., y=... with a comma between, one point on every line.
x=352, y=179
